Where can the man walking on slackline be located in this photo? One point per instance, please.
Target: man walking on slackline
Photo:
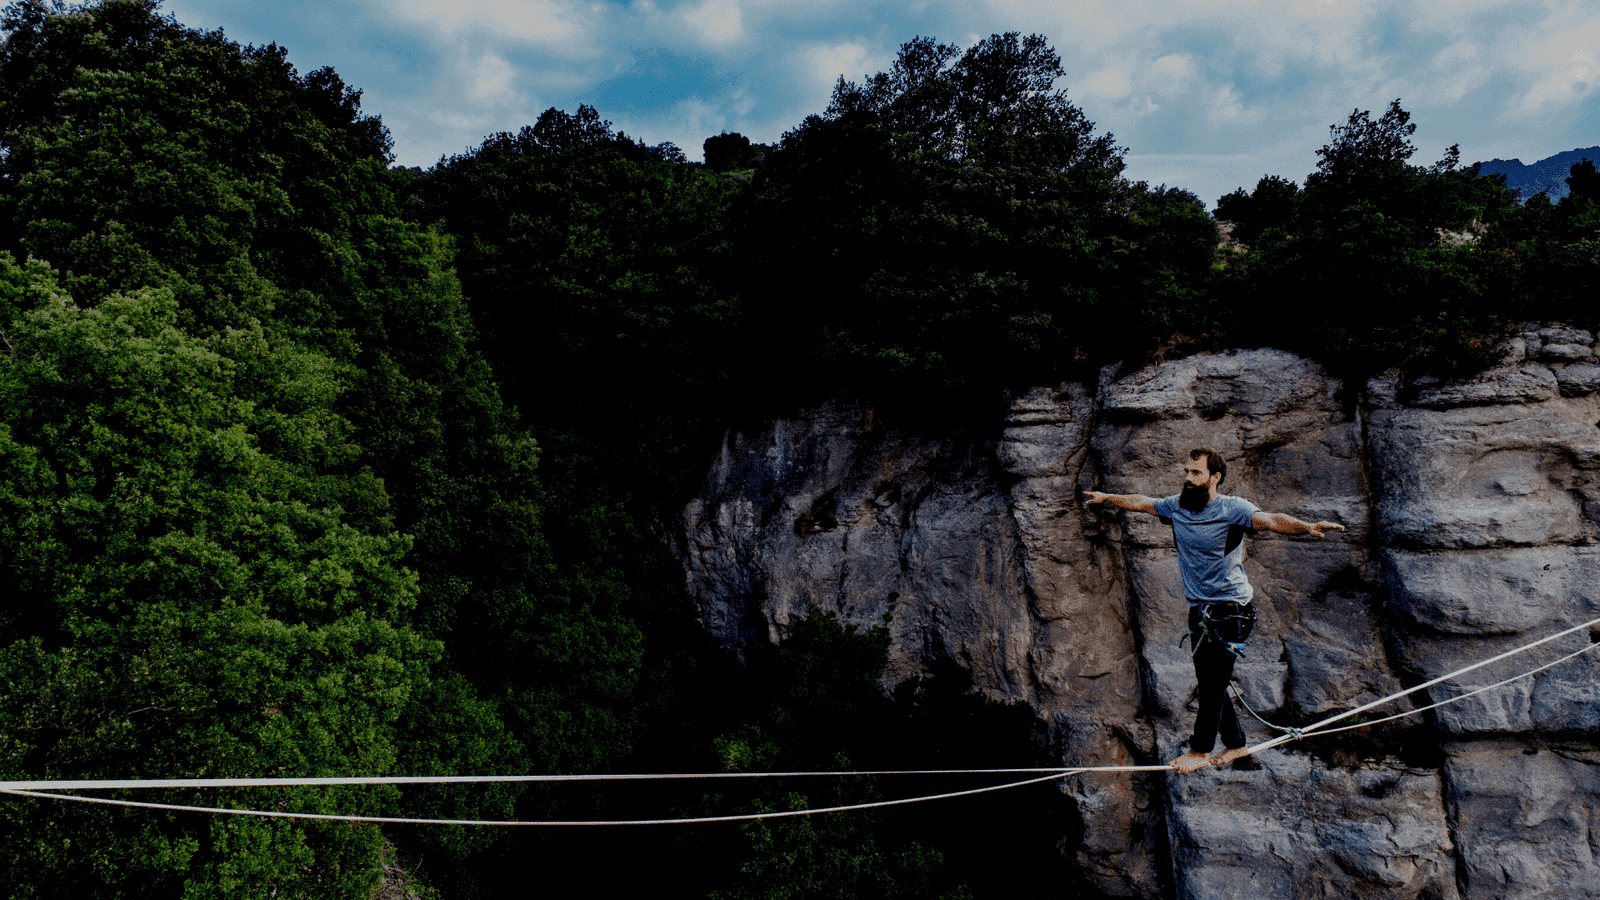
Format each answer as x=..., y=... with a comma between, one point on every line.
x=1209, y=529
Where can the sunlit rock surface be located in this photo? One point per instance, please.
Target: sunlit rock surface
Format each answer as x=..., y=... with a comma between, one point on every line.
x=1527, y=819
x=1472, y=512
x=1295, y=827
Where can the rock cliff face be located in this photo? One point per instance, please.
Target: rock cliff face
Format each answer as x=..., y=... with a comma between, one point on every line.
x=1472, y=513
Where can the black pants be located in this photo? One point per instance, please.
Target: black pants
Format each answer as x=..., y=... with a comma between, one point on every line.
x=1217, y=632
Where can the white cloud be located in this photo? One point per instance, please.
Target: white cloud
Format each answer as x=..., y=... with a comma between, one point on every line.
x=1582, y=60
x=1559, y=63
x=825, y=63
x=490, y=79
x=1227, y=109
x=1459, y=68
x=1090, y=25
x=695, y=116
x=1173, y=65
x=1172, y=73
x=545, y=22
x=1112, y=82
x=715, y=22
x=1211, y=175
x=1457, y=16
x=556, y=80
x=458, y=121
x=1096, y=26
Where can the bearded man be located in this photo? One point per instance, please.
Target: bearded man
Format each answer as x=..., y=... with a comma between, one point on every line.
x=1209, y=530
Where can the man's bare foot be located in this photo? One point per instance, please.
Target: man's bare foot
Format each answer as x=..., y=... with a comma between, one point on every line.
x=1190, y=761
x=1229, y=755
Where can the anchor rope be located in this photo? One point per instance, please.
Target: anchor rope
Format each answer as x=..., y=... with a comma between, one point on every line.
x=1297, y=733
x=1317, y=726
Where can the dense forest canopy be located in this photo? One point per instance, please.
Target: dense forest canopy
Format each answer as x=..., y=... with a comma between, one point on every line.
x=1421, y=266
x=314, y=465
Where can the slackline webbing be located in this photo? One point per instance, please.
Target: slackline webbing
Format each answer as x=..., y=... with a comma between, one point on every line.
x=103, y=784
x=40, y=789
x=687, y=821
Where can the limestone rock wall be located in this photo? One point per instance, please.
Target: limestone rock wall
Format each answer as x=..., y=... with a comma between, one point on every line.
x=1472, y=512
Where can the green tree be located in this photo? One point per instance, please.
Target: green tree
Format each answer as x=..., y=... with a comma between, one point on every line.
x=813, y=703
x=137, y=152
x=142, y=153
x=1583, y=182
x=818, y=707
x=1362, y=148
x=1542, y=260
x=1364, y=249
x=577, y=259
x=145, y=159
x=953, y=225
x=834, y=855
x=190, y=596
x=995, y=104
x=730, y=151
x=1270, y=206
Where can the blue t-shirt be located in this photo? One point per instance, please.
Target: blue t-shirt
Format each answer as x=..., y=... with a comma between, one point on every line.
x=1211, y=547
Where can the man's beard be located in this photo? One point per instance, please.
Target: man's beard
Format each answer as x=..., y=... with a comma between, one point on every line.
x=1194, y=497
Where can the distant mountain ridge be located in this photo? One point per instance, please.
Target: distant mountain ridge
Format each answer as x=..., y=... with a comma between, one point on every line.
x=1548, y=174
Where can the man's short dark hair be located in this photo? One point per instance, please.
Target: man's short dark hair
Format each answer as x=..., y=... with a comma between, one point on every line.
x=1215, y=464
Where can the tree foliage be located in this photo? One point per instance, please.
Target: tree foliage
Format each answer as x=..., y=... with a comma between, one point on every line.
x=1362, y=148
x=1584, y=182
x=582, y=259
x=1542, y=260
x=137, y=152
x=725, y=151
x=189, y=594
x=955, y=224
x=996, y=104
x=1364, y=249
x=271, y=512
x=1270, y=206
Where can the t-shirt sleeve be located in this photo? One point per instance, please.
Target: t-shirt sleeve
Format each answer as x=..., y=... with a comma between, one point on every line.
x=1165, y=505
x=1243, y=512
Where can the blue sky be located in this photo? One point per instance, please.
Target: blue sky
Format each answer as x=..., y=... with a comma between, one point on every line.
x=1207, y=95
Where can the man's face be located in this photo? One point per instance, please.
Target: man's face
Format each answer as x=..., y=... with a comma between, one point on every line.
x=1198, y=485
x=1195, y=474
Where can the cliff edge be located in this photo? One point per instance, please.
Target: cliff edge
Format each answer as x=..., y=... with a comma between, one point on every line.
x=1473, y=512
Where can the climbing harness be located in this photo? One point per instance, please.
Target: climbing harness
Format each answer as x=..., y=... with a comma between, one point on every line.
x=1228, y=622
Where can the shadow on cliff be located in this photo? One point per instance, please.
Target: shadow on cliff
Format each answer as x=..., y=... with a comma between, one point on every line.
x=1014, y=843
x=815, y=703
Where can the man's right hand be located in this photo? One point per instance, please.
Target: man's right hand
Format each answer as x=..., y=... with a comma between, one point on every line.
x=1090, y=498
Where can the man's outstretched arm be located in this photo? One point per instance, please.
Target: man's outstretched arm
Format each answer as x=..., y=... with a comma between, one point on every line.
x=1284, y=523
x=1135, y=502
